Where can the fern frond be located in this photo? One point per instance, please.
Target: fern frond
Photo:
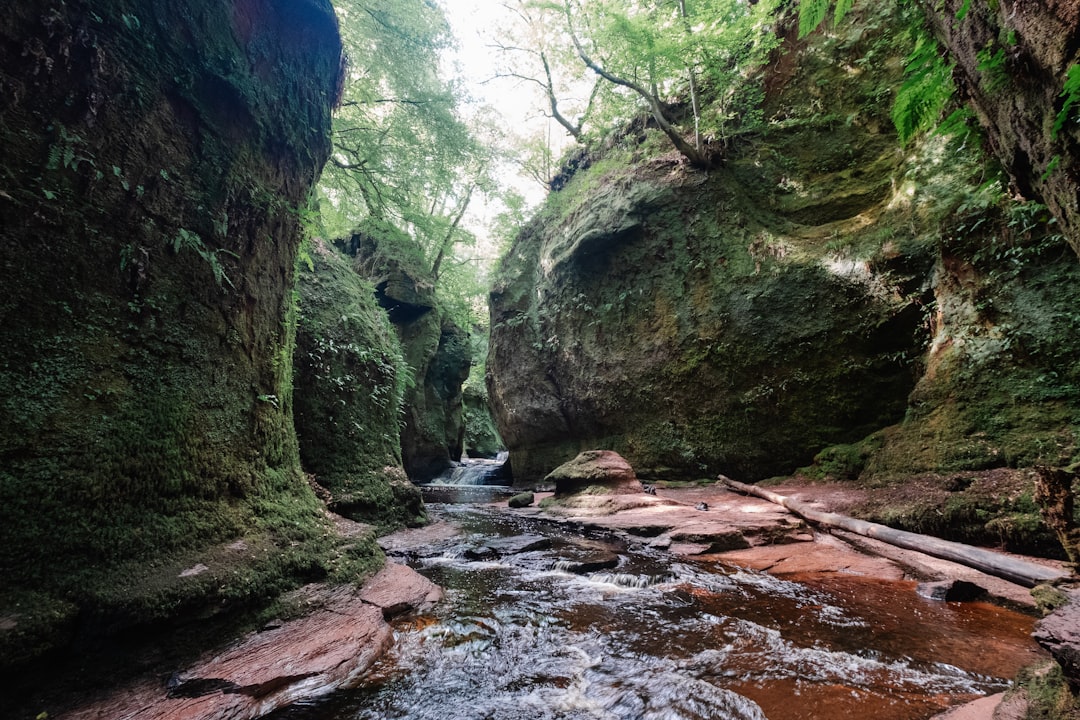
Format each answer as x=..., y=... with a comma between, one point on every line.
x=842, y=9
x=1071, y=93
x=811, y=14
x=926, y=89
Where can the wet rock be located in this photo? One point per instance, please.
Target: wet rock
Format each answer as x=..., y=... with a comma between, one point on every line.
x=583, y=560
x=327, y=649
x=397, y=589
x=601, y=469
x=427, y=541
x=521, y=500
x=712, y=539
x=1059, y=633
x=497, y=547
x=950, y=590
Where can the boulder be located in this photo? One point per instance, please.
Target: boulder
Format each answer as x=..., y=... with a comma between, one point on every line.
x=521, y=500
x=1059, y=634
x=602, y=470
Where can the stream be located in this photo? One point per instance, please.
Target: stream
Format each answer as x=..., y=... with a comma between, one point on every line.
x=537, y=624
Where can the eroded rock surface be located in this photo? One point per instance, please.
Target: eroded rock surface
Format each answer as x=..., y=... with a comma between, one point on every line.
x=329, y=648
x=1059, y=633
x=598, y=470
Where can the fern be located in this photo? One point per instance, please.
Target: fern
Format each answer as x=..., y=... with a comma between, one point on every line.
x=1071, y=93
x=926, y=89
x=811, y=14
x=992, y=66
x=842, y=9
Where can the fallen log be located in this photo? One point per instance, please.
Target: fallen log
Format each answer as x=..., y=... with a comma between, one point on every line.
x=1012, y=569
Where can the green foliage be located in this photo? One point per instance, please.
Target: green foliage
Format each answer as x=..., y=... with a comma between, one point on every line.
x=688, y=64
x=1071, y=94
x=811, y=14
x=926, y=90
x=402, y=153
x=991, y=63
x=185, y=238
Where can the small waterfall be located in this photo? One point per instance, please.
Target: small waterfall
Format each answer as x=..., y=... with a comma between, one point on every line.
x=479, y=471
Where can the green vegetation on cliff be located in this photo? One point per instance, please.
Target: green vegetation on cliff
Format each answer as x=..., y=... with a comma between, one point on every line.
x=151, y=187
x=351, y=380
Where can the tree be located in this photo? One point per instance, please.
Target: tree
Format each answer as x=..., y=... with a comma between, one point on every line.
x=402, y=153
x=655, y=55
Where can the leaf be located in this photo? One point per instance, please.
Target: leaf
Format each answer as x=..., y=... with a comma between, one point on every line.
x=1071, y=93
x=1050, y=168
x=963, y=11
x=811, y=14
x=926, y=89
x=842, y=9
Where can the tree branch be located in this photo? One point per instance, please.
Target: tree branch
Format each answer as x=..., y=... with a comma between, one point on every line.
x=697, y=157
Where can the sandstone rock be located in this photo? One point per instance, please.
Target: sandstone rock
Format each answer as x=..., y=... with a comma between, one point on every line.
x=586, y=557
x=521, y=500
x=429, y=541
x=325, y=650
x=397, y=589
x=146, y=312
x=496, y=547
x=1059, y=633
x=601, y=469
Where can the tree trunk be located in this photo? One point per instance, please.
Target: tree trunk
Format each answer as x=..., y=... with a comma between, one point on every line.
x=1012, y=569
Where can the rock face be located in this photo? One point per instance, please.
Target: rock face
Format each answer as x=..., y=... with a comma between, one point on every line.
x=733, y=321
x=481, y=436
x=349, y=378
x=598, y=469
x=1059, y=633
x=155, y=158
x=329, y=648
x=825, y=289
x=436, y=350
x=1012, y=61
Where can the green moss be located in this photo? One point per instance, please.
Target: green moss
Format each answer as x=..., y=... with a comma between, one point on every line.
x=1048, y=693
x=145, y=418
x=351, y=380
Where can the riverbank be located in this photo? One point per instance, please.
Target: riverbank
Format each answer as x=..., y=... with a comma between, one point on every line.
x=712, y=523
x=337, y=634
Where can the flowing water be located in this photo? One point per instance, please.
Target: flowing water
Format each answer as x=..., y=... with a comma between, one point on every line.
x=522, y=637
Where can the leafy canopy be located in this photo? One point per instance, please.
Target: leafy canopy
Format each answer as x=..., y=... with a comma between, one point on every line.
x=403, y=155
x=686, y=62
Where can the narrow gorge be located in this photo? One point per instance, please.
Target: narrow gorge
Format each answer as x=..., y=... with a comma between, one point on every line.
x=275, y=286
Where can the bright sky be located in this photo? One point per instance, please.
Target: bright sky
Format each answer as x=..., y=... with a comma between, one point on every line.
x=516, y=104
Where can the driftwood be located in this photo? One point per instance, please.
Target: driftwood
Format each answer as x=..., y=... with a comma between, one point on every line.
x=1012, y=569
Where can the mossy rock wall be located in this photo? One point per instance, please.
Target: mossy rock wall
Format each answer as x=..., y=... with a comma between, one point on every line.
x=436, y=350
x=732, y=321
x=350, y=379
x=826, y=289
x=155, y=158
x=1013, y=66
